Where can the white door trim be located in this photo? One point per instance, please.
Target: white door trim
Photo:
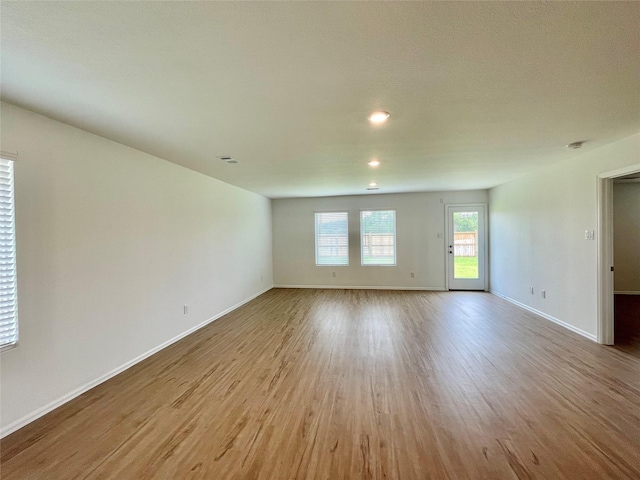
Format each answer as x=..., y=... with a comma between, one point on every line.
x=605, y=251
x=485, y=237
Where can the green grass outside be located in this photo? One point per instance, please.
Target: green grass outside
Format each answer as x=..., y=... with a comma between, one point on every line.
x=466, y=267
x=335, y=261
x=378, y=261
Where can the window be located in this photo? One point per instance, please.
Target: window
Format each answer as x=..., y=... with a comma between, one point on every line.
x=332, y=238
x=378, y=237
x=8, y=298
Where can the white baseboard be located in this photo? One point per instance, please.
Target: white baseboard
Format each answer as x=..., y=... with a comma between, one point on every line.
x=628, y=292
x=30, y=417
x=547, y=317
x=361, y=287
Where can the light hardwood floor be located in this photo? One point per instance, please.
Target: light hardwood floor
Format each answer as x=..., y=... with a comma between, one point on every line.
x=360, y=384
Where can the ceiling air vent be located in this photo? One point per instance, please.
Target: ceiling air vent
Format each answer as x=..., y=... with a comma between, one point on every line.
x=228, y=159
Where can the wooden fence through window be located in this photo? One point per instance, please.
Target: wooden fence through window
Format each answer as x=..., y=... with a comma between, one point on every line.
x=378, y=245
x=332, y=245
x=465, y=244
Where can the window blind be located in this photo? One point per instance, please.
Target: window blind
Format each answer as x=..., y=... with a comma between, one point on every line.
x=8, y=294
x=332, y=238
x=378, y=237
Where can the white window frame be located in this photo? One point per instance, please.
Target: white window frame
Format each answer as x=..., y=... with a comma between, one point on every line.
x=8, y=273
x=395, y=238
x=315, y=238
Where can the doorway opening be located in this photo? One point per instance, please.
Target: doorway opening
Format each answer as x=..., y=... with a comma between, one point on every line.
x=466, y=247
x=618, y=275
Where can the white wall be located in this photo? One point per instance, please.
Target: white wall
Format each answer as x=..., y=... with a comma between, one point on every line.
x=111, y=243
x=419, y=218
x=626, y=245
x=537, y=235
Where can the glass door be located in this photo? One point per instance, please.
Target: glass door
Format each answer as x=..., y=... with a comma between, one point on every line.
x=466, y=249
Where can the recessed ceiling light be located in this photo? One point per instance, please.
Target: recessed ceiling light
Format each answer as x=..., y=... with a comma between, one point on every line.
x=374, y=163
x=373, y=184
x=379, y=117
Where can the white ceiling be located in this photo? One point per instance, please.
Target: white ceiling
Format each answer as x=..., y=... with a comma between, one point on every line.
x=479, y=93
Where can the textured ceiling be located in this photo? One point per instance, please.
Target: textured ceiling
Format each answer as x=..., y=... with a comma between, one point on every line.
x=479, y=93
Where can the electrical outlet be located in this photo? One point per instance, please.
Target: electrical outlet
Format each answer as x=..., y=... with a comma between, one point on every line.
x=185, y=309
x=531, y=290
x=413, y=275
x=333, y=274
x=543, y=294
x=440, y=235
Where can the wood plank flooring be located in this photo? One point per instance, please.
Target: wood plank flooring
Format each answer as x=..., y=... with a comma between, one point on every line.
x=359, y=384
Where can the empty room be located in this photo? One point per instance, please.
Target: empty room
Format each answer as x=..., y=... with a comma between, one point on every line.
x=319, y=240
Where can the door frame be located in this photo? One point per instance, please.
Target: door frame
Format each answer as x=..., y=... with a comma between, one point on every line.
x=606, y=323
x=485, y=238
